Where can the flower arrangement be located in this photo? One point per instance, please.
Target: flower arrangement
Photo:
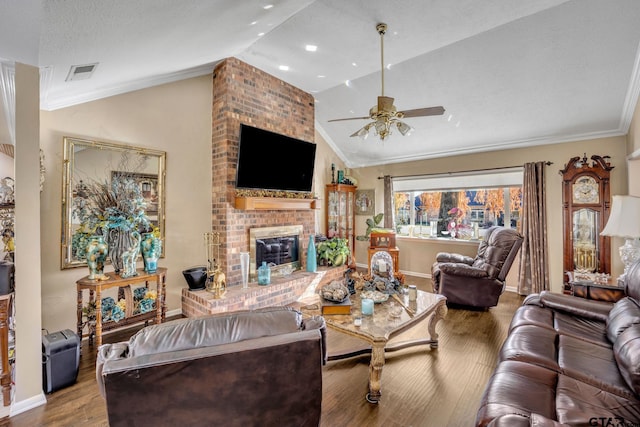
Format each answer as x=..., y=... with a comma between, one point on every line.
x=101, y=206
x=455, y=225
x=143, y=302
x=334, y=251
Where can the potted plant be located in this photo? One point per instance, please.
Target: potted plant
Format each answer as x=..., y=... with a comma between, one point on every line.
x=333, y=252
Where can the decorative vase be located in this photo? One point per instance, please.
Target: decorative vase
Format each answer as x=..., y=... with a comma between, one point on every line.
x=151, y=249
x=312, y=262
x=96, y=252
x=130, y=256
x=120, y=241
x=244, y=269
x=264, y=274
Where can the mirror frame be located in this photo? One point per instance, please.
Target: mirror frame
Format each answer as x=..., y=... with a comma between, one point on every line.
x=70, y=144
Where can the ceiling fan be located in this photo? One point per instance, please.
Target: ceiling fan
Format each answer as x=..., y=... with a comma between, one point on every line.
x=384, y=114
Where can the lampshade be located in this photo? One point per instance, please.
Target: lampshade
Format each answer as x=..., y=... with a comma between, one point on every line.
x=624, y=219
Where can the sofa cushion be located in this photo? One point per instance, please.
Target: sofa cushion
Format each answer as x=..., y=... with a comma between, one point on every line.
x=581, y=404
x=624, y=313
x=212, y=330
x=532, y=344
x=518, y=388
x=591, y=364
x=627, y=353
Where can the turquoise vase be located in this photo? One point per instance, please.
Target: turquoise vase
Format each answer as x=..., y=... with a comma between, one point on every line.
x=96, y=251
x=264, y=274
x=312, y=262
x=151, y=249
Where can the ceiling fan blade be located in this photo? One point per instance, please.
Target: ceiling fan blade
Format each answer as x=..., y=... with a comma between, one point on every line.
x=350, y=118
x=385, y=103
x=421, y=112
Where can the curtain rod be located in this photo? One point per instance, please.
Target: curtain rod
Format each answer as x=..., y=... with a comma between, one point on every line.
x=548, y=163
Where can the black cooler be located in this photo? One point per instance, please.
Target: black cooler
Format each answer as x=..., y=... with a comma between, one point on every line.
x=60, y=359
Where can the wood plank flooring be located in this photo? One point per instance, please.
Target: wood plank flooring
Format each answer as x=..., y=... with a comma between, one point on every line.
x=421, y=387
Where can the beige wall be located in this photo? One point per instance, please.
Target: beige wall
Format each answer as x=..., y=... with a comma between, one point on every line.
x=175, y=118
x=417, y=256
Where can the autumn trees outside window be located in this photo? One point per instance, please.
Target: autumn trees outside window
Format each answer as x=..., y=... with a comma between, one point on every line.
x=477, y=207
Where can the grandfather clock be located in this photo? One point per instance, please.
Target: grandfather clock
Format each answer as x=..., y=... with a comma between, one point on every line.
x=586, y=201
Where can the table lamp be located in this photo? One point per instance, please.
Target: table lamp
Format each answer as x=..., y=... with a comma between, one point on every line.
x=624, y=221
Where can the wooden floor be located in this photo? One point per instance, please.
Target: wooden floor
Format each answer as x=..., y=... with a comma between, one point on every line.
x=420, y=386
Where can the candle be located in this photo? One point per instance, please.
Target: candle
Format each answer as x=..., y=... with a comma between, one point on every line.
x=357, y=321
x=382, y=266
x=367, y=306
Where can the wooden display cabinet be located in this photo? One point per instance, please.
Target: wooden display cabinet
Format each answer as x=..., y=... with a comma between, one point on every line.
x=340, y=213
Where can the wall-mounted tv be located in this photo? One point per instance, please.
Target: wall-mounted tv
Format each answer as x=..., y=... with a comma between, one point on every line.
x=270, y=161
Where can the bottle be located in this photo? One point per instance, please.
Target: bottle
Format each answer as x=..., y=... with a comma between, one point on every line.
x=264, y=274
x=312, y=262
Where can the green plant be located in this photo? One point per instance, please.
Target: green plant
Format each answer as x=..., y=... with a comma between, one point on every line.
x=372, y=224
x=333, y=251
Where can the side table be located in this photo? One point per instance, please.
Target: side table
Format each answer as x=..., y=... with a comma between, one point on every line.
x=95, y=288
x=595, y=291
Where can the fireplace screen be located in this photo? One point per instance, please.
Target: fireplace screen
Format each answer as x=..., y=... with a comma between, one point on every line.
x=279, y=247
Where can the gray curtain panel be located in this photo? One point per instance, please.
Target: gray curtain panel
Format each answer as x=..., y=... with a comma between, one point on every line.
x=388, y=202
x=534, y=260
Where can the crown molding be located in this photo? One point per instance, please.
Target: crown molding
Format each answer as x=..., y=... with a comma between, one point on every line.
x=68, y=101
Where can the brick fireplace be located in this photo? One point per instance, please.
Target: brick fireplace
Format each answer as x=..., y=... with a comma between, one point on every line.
x=245, y=94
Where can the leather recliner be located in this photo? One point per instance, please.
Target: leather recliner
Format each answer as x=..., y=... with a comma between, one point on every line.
x=477, y=282
x=243, y=368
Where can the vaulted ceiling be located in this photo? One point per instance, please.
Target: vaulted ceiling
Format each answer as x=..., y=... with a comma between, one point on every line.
x=509, y=74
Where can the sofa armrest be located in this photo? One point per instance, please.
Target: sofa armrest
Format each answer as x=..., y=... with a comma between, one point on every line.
x=460, y=269
x=108, y=352
x=448, y=257
x=596, y=310
x=318, y=322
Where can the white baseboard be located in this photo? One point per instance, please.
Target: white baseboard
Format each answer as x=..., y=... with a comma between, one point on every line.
x=27, y=404
x=175, y=312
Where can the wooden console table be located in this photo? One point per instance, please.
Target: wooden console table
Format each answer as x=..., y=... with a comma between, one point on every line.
x=5, y=373
x=95, y=288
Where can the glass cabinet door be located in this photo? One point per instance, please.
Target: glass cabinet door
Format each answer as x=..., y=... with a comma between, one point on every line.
x=340, y=219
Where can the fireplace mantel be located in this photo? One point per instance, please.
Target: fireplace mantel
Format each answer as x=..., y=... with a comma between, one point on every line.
x=273, y=203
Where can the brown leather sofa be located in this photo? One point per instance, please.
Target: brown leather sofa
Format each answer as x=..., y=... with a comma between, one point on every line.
x=246, y=368
x=477, y=282
x=568, y=361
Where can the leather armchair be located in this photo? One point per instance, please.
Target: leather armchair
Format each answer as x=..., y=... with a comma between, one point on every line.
x=479, y=281
x=244, y=368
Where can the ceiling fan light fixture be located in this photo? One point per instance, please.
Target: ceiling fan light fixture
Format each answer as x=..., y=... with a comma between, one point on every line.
x=363, y=133
x=404, y=128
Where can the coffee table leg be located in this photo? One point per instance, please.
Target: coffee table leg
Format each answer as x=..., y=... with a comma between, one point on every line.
x=440, y=313
x=375, y=372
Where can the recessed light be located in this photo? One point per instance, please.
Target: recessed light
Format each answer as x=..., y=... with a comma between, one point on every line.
x=267, y=7
x=260, y=34
x=354, y=64
x=253, y=23
x=311, y=48
x=284, y=68
x=320, y=76
x=347, y=83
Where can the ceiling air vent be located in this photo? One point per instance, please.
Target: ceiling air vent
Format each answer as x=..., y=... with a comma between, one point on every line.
x=81, y=72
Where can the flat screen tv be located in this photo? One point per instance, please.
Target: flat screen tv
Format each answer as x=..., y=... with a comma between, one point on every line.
x=270, y=161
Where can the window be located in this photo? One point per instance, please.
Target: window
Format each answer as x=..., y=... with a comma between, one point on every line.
x=461, y=205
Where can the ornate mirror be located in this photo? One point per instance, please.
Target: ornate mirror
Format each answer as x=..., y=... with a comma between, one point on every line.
x=586, y=202
x=89, y=163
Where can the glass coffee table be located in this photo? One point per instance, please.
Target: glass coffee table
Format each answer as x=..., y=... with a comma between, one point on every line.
x=389, y=318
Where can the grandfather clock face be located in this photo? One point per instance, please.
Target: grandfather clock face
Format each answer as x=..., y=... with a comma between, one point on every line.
x=586, y=190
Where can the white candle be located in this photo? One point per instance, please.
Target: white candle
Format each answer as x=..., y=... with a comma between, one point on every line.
x=382, y=266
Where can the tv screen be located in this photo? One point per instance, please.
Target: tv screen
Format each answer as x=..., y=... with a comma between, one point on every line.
x=270, y=161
